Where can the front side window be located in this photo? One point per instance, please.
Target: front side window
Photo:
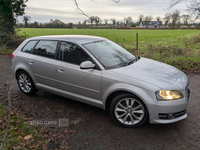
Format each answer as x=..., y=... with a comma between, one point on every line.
x=72, y=53
x=109, y=54
x=46, y=48
x=29, y=46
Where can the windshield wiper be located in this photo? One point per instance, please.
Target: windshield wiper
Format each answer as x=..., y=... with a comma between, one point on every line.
x=133, y=60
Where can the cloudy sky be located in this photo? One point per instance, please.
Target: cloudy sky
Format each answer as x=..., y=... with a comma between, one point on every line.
x=65, y=10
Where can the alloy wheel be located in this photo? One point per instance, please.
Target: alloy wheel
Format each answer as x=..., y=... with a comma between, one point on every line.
x=24, y=83
x=129, y=111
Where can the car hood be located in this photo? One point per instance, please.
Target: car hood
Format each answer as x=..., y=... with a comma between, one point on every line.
x=156, y=73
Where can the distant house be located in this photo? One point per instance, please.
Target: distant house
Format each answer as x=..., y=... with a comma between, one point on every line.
x=151, y=24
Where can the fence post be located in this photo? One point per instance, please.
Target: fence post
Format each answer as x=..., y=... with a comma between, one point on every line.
x=137, y=43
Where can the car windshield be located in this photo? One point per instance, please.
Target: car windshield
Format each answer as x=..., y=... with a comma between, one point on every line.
x=110, y=54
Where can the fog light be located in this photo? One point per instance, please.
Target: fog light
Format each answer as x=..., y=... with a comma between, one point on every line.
x=166, y=116
x=170, y=116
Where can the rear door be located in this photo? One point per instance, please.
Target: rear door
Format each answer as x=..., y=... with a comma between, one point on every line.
x=24, y=54
x=43, y=64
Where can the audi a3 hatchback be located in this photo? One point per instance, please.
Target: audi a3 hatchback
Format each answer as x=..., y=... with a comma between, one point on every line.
x=97, y=71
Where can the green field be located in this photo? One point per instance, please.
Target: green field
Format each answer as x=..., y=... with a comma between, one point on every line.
x=180, y=48
x=121, y=36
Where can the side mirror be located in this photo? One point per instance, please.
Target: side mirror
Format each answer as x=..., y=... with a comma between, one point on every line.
x=87, y=65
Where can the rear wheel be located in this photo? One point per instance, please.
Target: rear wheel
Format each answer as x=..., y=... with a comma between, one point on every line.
x=128, y=111
x=25, y=83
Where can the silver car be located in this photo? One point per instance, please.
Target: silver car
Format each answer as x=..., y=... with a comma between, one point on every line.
x=97, y=71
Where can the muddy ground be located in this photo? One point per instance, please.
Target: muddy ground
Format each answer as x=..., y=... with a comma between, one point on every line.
x=92, y=128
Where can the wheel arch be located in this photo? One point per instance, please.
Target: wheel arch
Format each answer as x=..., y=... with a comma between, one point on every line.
x=111, y=107
x=116, y=93
x=22, y=69
x=25, y=69
x=18, y=70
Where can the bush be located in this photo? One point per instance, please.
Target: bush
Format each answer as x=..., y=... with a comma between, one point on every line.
x=164, y=52
x=11, y=42
x=196, y=39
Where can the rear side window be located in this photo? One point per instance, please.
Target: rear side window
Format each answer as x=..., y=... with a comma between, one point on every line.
x=46, y=48
x=29, y=46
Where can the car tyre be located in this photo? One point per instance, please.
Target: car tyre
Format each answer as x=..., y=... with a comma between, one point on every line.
x=128, y=111
x=25, y=83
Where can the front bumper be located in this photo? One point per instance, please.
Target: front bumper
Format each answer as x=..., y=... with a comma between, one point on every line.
x=170, y=111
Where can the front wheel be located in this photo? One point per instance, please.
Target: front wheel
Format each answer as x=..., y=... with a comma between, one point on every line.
x=25, y=83
x=128, y=111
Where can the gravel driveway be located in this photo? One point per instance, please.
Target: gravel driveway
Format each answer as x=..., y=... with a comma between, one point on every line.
x=92, y=128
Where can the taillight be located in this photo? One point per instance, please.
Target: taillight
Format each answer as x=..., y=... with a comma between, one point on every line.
x=12, y=56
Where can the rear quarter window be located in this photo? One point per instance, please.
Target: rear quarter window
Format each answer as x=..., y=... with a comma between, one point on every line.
x=29, y=46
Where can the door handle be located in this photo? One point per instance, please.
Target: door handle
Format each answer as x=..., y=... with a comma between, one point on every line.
x=30, y=62
x=60, y=69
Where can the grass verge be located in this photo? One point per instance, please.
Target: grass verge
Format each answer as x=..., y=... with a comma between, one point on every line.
x=185, y=57
x=20, y=135
x=6, y=51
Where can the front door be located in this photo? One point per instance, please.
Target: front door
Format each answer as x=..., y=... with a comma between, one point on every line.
x=80, y=84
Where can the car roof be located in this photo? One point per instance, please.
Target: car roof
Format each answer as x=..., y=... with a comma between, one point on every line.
x=79, y=39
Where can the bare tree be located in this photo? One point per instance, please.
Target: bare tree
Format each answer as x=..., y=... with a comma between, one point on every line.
x=127, y=20
x=82, y=12
x=91, y=19
x=113, y=21
x=167, y=18
x=158, y=18
x=193, y=7
x=85, y=21
x=106, y=21
x=97, y=20
x=141, y=17
x=175, y=2
x=148, y=18
x=25, y=20
x=175, y=16
x=118, y=23
x=185, y=19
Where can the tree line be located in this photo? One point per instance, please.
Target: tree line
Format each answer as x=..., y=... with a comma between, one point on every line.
x=170, y=19
x=51, y=24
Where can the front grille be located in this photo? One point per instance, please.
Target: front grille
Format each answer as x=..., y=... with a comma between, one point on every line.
x=172, y=115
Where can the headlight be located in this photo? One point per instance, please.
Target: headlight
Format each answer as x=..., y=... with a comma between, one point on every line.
x=169, y=95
